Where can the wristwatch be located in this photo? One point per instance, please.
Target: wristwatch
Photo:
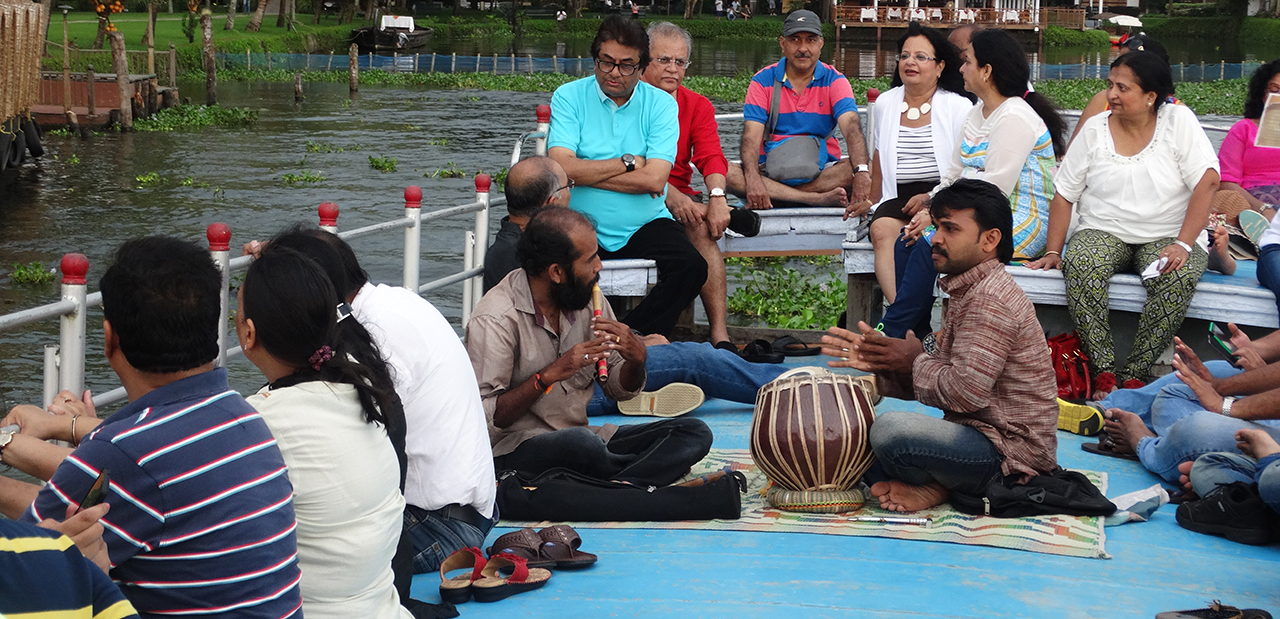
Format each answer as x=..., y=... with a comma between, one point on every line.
x=629, y=160
x=5, y=439
x=717, y=193
x=861, y=168
x=1226, y=407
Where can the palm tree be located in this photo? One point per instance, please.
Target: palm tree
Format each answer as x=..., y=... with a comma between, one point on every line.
x=255, y=22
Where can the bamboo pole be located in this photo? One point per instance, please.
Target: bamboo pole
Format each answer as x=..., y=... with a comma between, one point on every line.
x=66, y=67
x=173, y=66
x=151, y=38
x=210, y=70
x=353, y=69
x=91, y=80
x=122, y=80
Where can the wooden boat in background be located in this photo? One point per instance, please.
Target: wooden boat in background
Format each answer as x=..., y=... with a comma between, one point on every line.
x=394, y=33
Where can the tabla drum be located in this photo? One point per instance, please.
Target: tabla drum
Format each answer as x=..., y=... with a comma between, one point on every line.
x=811, y=431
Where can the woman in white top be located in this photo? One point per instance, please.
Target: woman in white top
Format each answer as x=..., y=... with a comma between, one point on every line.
x=334, y=419
x=1142, y=175
x=1010, y=139
x=917, y=126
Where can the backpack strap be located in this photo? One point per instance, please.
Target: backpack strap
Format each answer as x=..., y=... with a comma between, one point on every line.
x=773, y=109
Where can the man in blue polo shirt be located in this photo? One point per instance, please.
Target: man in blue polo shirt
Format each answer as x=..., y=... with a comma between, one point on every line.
x=616, y=136
x=201, y=516
x=799, y=101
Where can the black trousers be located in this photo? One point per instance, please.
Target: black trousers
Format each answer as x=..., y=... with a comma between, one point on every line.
x=681, y=273
x=647, y=454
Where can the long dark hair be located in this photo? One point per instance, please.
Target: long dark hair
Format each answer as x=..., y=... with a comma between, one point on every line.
x=1010, y=73
x=944, y=52
x=1153, y=74
x=294, y=308
x=1258, y=89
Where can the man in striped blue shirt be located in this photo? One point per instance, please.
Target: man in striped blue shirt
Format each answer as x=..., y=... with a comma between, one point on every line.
x=201, y=516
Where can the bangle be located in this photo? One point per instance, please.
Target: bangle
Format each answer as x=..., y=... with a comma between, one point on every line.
x=1053, y=253
x=74, y=441
x=543, y=387
x=1185, y=246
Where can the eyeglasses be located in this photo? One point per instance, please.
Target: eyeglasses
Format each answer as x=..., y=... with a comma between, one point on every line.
x=679, y=62
x=623, y=68
x=569, y=186
x=920, y=57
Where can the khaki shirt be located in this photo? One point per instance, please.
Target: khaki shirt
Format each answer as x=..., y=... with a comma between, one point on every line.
x=508, y=342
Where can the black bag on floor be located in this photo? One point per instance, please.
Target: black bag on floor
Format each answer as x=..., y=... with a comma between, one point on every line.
x=564, y=495
x=1061, y=492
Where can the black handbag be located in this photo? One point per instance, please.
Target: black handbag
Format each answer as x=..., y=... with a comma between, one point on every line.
x=1060, y=492
x=564, y=495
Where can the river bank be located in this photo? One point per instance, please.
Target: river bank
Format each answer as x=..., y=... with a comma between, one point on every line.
x=1223, y=97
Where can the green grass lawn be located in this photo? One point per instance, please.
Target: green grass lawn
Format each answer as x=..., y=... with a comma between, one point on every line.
x=82, y=27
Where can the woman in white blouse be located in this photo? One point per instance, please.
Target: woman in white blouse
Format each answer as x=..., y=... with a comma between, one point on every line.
x=1010, y=139
x=1142, y=175
x=334, y=413
x=917, y=126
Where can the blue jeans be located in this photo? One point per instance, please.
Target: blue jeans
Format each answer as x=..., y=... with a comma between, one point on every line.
x=918, y=449
x=1162, y=402
x=647, y=454
x=1215, y=469
x=433, y=538
x=913, y=307
x=1195, y=435
x=1269, y=270
x=719, y=373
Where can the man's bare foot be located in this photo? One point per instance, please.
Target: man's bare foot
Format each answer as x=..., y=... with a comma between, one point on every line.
x=835, y=197
x=1256, y=444
x=1185, y=477
x=1126, y=429
x=897, y=496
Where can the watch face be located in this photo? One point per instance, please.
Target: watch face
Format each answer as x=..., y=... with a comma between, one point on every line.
x=628, y=159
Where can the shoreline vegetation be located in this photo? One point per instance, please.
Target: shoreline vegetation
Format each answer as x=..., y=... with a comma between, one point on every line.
x=1225, y=97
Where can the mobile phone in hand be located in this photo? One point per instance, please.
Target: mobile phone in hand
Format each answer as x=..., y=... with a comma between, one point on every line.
x=98, y=491
x=1221, y=342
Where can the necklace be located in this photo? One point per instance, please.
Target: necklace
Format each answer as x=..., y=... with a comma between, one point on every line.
x=914, y=113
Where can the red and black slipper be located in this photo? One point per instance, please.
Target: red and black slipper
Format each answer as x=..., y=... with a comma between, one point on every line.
x=493, y=586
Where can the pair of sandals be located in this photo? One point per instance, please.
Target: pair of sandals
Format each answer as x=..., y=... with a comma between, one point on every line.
x=499, y=577
x=518, y=561
x=764, y=351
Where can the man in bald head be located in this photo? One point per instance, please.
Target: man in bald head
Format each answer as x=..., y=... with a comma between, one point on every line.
x=531, y=184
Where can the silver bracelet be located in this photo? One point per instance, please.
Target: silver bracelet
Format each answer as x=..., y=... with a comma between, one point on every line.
x=1183, y=245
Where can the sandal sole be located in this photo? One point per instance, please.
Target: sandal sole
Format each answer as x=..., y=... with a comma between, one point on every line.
x=501, y=592
x=1079, y=419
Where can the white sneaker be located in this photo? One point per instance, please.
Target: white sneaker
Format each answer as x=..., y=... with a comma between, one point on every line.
x=672, y=400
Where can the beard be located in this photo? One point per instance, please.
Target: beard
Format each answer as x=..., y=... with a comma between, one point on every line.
x=574, y=294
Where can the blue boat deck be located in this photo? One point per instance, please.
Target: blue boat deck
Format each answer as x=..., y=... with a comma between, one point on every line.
x=1156, y=566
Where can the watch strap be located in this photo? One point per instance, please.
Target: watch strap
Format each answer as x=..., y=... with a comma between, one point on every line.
x=1226, y=405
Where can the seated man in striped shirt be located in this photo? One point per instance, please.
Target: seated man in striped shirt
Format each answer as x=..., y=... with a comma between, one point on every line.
x=201, y=516
x=990, y=373
x=790, y=115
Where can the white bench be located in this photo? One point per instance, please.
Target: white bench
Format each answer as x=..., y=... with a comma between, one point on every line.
x=1220, y=298
x=789, y=231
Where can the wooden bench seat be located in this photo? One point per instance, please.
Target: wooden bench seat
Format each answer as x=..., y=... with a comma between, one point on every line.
x=1237, y=298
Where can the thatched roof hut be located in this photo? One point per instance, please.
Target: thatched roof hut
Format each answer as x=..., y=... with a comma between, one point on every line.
x=21, y=45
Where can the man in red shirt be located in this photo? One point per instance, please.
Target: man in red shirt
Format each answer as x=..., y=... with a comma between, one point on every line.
x=669, y=47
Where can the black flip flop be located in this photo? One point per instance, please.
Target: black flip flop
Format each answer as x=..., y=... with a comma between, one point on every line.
x=761, y=351
x=790, y=346
x=727, y=345
x=1105, y=447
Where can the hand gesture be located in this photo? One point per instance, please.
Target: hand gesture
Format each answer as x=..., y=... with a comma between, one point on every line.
x=1239, y=338
x=83, y=529
x=1256, y=444
x=915, y=228
x=1176, y=258
x=66, y=403
x=1190, y=361
x=861, y=189
x=717, y=219
x=618, y=336
x=1210, y=399
x=842, y=344
x=583, y=354
x=917, y=203
x=880, y=353
x=684, y=209
x=857, y=209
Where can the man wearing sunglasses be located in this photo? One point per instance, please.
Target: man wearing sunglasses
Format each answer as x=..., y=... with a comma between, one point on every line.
x=616, y=138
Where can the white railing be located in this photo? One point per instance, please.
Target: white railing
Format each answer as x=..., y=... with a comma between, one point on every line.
x=64, y=364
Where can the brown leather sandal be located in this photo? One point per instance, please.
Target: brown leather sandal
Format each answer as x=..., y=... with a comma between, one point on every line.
x=525, y=544
x=561, y=543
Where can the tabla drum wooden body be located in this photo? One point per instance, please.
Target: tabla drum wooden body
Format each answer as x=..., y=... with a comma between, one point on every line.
x=811, y=430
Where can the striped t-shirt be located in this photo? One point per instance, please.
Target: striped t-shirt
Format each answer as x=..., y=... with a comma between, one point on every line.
x=916, y=162
x=44, y=575
x=201, y=521
x=814, y=112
